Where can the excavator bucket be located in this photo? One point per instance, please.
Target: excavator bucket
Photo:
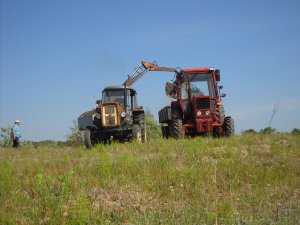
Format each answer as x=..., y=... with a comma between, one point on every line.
x=171, y=90
x=155, y=67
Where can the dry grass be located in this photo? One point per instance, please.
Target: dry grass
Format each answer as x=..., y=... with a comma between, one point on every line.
x=252, y=179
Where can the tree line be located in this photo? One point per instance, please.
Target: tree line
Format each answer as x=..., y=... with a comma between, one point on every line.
x=74, y=138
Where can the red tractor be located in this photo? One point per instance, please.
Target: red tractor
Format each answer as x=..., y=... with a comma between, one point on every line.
x=198, y=108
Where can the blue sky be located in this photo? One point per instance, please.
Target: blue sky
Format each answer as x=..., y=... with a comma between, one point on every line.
x=55, y=56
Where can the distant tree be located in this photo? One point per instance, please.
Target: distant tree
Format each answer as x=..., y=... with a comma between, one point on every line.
x=153, y=128
x=267, y=130
x=249, y=131
x=45, y=143
x=75, y=137
x=295, y=131
x=61, y=144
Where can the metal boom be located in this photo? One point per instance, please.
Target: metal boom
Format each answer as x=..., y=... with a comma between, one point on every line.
x=142, y=69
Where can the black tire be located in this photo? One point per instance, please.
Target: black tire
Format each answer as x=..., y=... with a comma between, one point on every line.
x=87, y=139
x=217, y=132
x=228, y=126
x=137, y=133
x=106, y=141
x=142, y=123
x=220, y=113
x=176, y=124
x=165, y=131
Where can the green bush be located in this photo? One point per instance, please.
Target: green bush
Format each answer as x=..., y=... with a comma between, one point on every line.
x=6, y=136
x=75, y=137
x=268, y=130
x=295, y=131
x=249, y=131
x=153, y=128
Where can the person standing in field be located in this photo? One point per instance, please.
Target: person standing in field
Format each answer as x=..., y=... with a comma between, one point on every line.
x=16, y=134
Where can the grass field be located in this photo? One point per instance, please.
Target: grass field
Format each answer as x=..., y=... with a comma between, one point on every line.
x=251, y=179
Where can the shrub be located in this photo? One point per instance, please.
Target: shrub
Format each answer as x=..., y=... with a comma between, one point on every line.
x=75, y=138
x=153, y=128
x=249, y=131
x=5, y=136
x=295, y=131
x=267, y=130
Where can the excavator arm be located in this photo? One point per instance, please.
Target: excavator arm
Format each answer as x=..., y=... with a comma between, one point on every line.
x=142, y=69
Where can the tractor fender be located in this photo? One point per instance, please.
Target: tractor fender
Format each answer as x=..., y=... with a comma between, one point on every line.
x=86, y=120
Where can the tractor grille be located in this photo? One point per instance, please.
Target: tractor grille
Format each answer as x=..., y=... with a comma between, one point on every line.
x=202, y=103
x=109, y=115
x=109, y=109
x=110, y=120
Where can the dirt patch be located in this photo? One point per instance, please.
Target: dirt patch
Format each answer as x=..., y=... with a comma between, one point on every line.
x=263, y=148
x=220, y=149
x=118, y=200
x=284, y=143
x=209, y=160
x=149, y=156
x=263, y=145
x=243, y=151
x=205, y=159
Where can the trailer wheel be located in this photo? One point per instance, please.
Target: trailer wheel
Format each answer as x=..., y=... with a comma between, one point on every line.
x=87, y=139
x=165, y=131
x=176, y=124
x=228, y=126
x=137, y=133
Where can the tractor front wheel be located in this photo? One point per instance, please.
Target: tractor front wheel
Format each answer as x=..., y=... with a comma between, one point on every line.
x=87, y=139
x=220, y=113
x=143, y=126
x=137, y=133
x=176, y=124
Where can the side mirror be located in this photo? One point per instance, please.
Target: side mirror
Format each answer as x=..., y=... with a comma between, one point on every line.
x=223, y=95
x=218, y=75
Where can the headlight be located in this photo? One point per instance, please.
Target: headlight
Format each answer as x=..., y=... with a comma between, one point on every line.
x=199, y=113
x=123, y=114
x=207, y=113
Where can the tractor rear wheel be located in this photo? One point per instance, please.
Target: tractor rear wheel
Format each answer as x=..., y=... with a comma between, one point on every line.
x=87, y=139
x=176, y=124
x=228, y=126
x=137, y=133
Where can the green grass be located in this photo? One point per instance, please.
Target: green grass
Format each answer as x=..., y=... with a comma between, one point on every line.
x=251, y=179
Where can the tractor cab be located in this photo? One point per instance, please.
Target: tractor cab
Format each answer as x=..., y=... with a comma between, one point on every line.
x=198, y=93
x=195, y=85
x=118, y=118
x=119, y=94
